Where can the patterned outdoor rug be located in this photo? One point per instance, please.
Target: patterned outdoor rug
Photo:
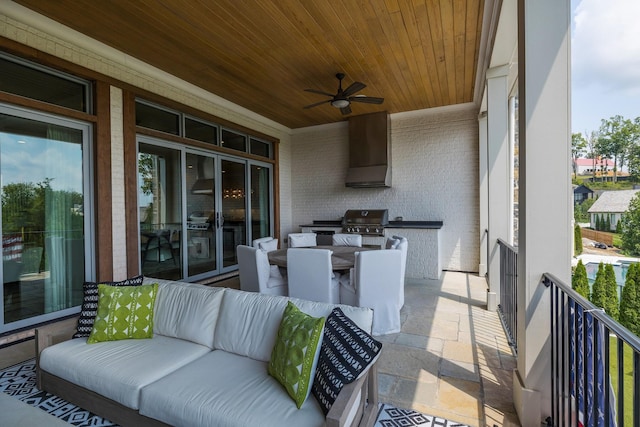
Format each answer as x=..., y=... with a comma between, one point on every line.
x=19, y=381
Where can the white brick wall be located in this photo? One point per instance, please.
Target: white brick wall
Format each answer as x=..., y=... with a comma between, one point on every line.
x=434, y=177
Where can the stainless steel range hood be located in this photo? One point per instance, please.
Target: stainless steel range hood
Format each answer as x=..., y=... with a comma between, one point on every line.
x=369, y=151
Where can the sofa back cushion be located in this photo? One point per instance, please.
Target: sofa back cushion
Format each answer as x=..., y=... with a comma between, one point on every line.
x=187, y=311
x=248, y=322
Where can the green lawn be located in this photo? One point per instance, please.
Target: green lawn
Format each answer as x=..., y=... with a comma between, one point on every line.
x=628, y=377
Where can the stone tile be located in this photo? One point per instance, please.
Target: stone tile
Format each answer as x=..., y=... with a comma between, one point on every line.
x=386, y=384
x=459, y=351
x=460, y=370
x=460, y=397
x=407, y=362
x=494, y=417
x=418, y=341
x=443, y=327
x=416, y=392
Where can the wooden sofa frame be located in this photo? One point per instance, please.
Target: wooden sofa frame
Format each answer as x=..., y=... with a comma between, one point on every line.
x=53, y=333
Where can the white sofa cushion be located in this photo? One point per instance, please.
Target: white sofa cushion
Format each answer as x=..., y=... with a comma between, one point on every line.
x=187, y=311
x=119, y=369
x=248, y=322
x=225, y=390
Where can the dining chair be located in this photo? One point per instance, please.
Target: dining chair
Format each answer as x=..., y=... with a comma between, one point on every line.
x=310, y=276
x=302, y=240
x=344, y=239
x=391, y=243
x=256, y=274
x=375, y=284
x=402, y=246
x=267, y=244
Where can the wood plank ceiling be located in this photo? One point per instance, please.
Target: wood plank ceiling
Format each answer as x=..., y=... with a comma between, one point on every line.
x=262, y=54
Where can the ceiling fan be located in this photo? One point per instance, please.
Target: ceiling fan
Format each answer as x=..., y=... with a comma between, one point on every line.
x=344, y=97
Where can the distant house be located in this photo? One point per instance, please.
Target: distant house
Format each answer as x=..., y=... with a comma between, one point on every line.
x=581, y=193
x=586, y=166
x=611, y=205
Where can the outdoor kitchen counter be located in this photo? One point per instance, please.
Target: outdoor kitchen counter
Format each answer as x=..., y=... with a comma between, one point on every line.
x=392, y=224
x=423, y=255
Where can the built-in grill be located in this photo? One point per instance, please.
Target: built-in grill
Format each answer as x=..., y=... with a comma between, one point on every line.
x=368, y=222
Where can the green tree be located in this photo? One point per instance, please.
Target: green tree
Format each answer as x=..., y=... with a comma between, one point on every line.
x=577, y=240
x=631, y=227
x=630, y=301
x=634, y=151
x=612, y=304
x=598, y=226
x=599, y=288
x=591, y=140
x=607, y=224
x=581, y=211
x=616, y=137
x=578, y=148
x=579, y=280
x=619, y=227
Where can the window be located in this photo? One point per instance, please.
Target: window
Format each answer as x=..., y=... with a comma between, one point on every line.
x=160, y=119
x=233, y=140
x=200, y=131
x=43, y=84
x=46, y=217
x=260, y=148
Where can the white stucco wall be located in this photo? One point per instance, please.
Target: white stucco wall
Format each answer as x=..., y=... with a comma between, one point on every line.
x=434, y=177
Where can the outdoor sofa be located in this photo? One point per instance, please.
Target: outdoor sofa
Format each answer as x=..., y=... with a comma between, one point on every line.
x=206, y=364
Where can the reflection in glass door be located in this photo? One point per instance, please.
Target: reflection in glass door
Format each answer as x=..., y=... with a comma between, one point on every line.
x=201, y=214
x=260, y=202
x=43, y=215
x=160, y=206
x=234, y=212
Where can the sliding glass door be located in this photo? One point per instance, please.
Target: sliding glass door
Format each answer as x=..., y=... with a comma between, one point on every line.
x=234, y=209
x=195, y=207
x=45, y=215
x=160, y=210
x=202, y=216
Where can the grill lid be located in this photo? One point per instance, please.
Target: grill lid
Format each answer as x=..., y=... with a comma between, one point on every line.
x=379, y=217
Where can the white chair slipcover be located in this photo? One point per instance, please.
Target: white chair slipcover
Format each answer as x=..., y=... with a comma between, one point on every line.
x=256, y=242
x=403, y=246
x=310, y=276
x=391, y=243
x=343, y=239
x=302, y=240
x=375, y=283
x=256, y=275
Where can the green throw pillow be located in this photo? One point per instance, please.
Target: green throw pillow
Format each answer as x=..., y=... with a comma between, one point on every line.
x=295, y=353
x=124, y=312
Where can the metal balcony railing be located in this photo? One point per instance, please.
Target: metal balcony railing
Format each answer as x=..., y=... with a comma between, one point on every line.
x=595, y=363
x=507, y=307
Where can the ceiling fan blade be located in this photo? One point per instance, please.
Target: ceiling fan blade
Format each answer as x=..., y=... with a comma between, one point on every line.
x=317, y=103
x=346, y=110
x=367, y=99
x=319, y=92
x=353, y=88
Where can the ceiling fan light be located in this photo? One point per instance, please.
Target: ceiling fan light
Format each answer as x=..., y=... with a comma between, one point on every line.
x=340, y=103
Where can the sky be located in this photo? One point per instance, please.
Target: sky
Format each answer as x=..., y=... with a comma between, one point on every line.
x=605, y=51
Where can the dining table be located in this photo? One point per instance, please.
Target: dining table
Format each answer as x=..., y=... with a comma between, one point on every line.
x=342, y=257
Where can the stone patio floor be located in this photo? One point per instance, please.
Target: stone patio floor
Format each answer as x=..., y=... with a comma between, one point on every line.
x=451, y=358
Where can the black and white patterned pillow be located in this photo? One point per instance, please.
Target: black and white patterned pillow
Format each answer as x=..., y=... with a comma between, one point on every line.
x=90, y=304
x=346, y=352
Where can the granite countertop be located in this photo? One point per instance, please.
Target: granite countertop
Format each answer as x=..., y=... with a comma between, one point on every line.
x=392, y=224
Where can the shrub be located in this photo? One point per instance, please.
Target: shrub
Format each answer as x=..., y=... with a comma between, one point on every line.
x=629, y=302
x=579, y=280
x=577, y=240
x=599, y=288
